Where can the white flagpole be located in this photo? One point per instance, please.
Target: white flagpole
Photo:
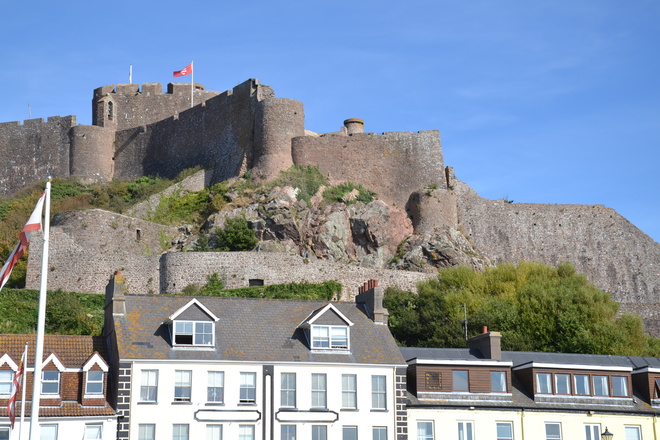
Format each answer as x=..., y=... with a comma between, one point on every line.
x=130, y=74
x=41, y=324
x=23, y=383
x=192, y=83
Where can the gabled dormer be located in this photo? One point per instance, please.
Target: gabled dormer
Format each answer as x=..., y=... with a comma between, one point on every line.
x=193, y=325
x=94, y=373
x=327, y=329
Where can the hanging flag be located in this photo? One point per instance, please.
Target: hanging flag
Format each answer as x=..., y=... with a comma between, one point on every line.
x=18, y=380
x=185, y=71
x=33, y=224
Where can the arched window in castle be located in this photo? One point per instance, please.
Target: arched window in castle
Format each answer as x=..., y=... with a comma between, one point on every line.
x=110, y=110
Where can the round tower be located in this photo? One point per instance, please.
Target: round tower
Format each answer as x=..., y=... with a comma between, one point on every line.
x=354, y=125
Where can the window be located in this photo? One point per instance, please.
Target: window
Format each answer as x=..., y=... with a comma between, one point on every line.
x=379, y=433
x=50, y=383
x=215, y=389
x=349, y=433
x=248, y=388
x=620, y=386
x=349, y=391
x=329, y=336
x=182, y=385
x=110, y=110
x=553, y=431
x=563, y=383
x=633, y=433
x=213, y=432
x=424, y=430
x=433, y=380
x=4, y=432
x=149, y=386
x=378, y=392
x=498, y=381
x=93, y=432
x=600, y=386
x=147, y=432
x=180, y=432
x=460, y=380
x=94, y=383
x=48, y=432
x=465, y=431
x=319, y=390
x=6, y=378
x=288, y=432
x=592, y=431
x=288, y=390
x=543, y=383
x=581, y=384
x=319, y=432
x=504, y=431
x=245, y=432
x=193, y=333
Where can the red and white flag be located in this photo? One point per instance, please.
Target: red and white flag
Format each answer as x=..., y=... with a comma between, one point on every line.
x=18, y=380
x=33, y=224
x=185, y=71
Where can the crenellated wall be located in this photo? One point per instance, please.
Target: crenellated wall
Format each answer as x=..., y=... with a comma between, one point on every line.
x=33, y=149
x=391, y=164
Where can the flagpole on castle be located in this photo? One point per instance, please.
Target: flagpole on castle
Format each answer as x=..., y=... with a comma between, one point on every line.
x=192, y=83
x=41, y=324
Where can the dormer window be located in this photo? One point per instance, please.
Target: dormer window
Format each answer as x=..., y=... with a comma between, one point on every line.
x=94, y=384
x=330, y=336
x=193, y=325
x=193, y=333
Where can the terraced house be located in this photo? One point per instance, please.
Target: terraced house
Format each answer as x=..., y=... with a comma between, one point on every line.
x=249, y=369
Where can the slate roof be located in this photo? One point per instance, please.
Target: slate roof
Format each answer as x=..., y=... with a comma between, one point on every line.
x=249, y=329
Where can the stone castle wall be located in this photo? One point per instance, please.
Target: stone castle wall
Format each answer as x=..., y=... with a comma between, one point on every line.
x=614, y=254
x=33, y=149
x=391, y=164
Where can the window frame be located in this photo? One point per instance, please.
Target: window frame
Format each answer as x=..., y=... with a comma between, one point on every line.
x=198, y=333
x=543, y=383
x=585, y=381
x=182, y=385
x=637, y=428
x=349, y=391
x=288, y=390
x=548, y=436
x=592, y=431
x=468, y=429
x=379, y=392
x=319, y=432
x=319, y=393
x=212, y=387
x=331, y=340
x=49, y=425
x=602, y=383
x=288, y=432
x=349, y=432
x=5, y=431
x=498, y=378
x=454, y=374
x=247, y=391
x=89, y=382
x=6, y=384
x=509, y=425
x=566, y=382
x=181, y=435
x=213, y=426
x=46, y=382
x=149, y=387
x=379, y=433
x=99, y=428
x=623, y=383
x=425, y=435
x=147, y=431
x=246, y=432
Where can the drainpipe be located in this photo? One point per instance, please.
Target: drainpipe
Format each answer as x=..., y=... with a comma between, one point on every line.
x=522, y=424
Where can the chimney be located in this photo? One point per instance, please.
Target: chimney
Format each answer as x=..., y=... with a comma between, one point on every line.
x=488, y=343
x=354, y=125
x=114, y=294
x=371, y=296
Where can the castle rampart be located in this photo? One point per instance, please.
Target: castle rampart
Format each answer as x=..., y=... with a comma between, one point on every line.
x=392, y=164
x=92, y=153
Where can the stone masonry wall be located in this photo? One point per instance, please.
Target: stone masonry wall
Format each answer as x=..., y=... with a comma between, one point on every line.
x=614, y=254
x=86, y=247
x=30, y=151
x=392, y=164
x=179, y=269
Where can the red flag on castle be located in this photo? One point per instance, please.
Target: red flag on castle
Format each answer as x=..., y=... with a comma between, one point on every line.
x=18, y=380
x=185, y=71
x=33, y=224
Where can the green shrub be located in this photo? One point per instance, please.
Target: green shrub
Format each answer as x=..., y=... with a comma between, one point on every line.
x=325, y=291
x=236, y=236
x=337, y=193
x=308, y=180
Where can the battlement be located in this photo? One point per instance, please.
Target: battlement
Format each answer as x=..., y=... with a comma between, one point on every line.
x=37, y=122
x=153, y=88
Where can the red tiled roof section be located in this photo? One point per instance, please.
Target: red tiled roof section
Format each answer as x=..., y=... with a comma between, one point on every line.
x=67, y=409
x=72, y=350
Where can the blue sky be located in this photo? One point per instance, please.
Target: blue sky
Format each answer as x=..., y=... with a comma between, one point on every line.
x=546, y=101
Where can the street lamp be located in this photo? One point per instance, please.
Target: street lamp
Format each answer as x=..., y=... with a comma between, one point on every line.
x=607, y=435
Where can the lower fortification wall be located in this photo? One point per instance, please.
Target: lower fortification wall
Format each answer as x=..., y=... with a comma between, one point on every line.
x=181, y=269
x=614, y=254
x=392, y=164
x=30, y=151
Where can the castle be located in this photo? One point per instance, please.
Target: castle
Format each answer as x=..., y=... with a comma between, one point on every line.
x=141, y=131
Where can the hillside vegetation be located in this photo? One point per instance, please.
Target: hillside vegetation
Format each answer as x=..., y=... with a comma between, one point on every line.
x=536, y=308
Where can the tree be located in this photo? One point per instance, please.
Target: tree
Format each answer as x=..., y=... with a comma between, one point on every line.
x=535, y=306
x=236, y=236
